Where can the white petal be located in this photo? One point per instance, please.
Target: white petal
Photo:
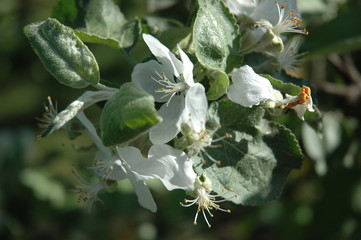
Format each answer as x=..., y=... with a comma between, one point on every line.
x=166, y=130
x=179, y=168
x=188, y=67
x=266, y=10
x=143, y=168
x=141, y=75
x=144, y=195
x=249, y=88
x=163, y=54
x=301, y=109
x=196, y=107
x=239, y=7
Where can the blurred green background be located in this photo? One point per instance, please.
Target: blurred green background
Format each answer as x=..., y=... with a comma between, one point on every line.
x=321, y=201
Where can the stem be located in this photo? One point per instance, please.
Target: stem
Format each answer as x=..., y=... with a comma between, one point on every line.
x=250, y=49
x=129, y=57
x=100, y=86
x=93, y=133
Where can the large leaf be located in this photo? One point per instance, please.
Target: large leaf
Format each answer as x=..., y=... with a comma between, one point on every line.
x=215, y=36
x=99, y=21
x=127, y=114
x=104, y=18
x=255, y=159
x=63, y=54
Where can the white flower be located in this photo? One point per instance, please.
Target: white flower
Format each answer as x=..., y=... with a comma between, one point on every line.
x=283, y=18
x=300, y=103
x=54, y=121
x=179, y=167
x=271, y=20
x=51, y=111
x=242, y=7
x=88, y=193
x=171, y=166
x=196, y=143
x=170, y=81
x=249, y=88
x=204, y=199
x=288, y=59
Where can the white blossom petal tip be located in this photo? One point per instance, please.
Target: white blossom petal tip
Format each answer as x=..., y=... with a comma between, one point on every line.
x=249, y=88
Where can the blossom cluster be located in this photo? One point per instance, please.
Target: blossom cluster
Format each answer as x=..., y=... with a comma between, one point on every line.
x=182, y=135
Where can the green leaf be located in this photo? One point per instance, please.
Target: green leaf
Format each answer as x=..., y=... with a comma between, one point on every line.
x=219, y=83
x=104, y=18
x=232, y=115
x=175, y=36
x=106, y=24
x=170, y=32
x=66, y=11
x=92, y=38
x=158, y=24
x=289, y=88
x=99, y=21
x=130, y=33
x=338, y=35
x=216, y=38
x=255, y=159
x=127, y=114
x=63, y=54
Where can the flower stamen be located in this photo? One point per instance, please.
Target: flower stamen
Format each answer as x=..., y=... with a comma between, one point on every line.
x=287, y=22
x=168, y=87
x=104, y=167
x=205, y=200
x=51, y=111
x=301, y=98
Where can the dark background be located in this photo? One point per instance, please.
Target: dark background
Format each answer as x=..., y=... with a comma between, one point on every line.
x=322, y=200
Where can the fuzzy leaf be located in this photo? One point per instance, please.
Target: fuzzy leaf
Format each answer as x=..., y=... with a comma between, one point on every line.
x=215, y=36
x=129, y=113
x=255, y=159
x=63, y=54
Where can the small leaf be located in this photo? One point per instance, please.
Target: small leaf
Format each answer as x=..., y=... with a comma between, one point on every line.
x=106, y=24
x=93, y=38
x=127, y=114
x=216, y=38
x=255, y=159
x=104, y=18
x=63, y=54
x=130, y=33
x=158, y=24
x=219, y=83
x=288, y=88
